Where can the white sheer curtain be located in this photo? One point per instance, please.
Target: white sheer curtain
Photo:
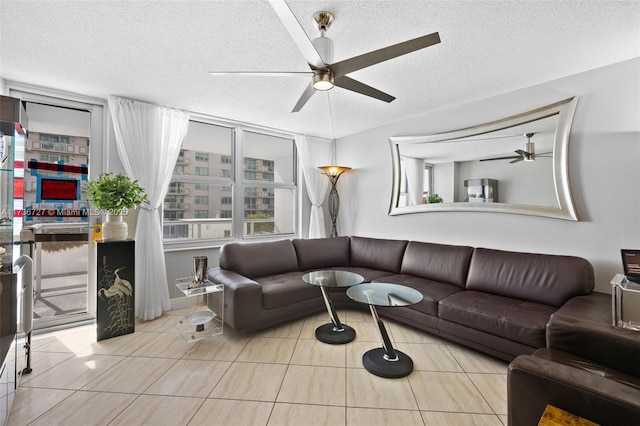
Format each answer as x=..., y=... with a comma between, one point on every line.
x=313, y=153
x=415, y=179
x=149, y=138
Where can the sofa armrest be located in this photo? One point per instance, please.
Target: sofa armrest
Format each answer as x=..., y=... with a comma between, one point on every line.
x=536, y=380
x=242, y=296
x=583, y=327
x=594, y=307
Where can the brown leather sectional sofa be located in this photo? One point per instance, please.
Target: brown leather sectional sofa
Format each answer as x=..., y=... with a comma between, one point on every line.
x=537, y=310
x=498, y=302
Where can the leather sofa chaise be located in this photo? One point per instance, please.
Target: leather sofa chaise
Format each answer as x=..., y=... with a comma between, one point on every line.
x=498, y=302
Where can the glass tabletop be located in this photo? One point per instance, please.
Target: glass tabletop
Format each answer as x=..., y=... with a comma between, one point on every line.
x=384, y=294
x=329, y=278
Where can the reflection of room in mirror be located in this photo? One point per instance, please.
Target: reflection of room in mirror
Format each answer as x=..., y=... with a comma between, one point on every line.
x=486, y=156
x=481, y=190
x=525, y=155
x=417, y=182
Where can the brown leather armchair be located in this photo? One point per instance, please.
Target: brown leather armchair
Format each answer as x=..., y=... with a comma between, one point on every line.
x=589, y=368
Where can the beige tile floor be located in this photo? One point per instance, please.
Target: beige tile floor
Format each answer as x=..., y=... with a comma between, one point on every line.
x=279, y=376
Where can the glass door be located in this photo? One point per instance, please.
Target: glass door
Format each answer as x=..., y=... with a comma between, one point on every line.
x=55, y=219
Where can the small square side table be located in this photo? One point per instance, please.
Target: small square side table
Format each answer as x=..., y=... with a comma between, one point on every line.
x=208, y=319
x=619, y=286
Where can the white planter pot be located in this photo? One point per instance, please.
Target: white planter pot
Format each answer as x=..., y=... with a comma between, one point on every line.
x=114, y=228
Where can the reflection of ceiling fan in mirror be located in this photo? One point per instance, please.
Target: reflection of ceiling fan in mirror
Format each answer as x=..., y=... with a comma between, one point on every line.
x=319, y=55
x=526, y=154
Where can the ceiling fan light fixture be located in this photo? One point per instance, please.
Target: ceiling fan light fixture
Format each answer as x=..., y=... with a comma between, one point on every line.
x=323, y=81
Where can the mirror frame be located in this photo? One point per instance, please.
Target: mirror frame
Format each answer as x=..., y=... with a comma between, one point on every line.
x=565, y=110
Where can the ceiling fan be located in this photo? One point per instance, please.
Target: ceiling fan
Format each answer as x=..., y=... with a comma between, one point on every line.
x=319, y=55
x=526, y=154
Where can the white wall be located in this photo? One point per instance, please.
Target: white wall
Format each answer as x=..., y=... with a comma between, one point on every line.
x=519, y=183
x=604, y=171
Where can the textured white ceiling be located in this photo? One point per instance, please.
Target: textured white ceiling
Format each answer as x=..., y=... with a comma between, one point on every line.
x=161, y=52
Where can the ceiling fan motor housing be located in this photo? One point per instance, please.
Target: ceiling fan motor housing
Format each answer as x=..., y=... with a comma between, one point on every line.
x=529, y=148
x=323, y=80
x=324, y=46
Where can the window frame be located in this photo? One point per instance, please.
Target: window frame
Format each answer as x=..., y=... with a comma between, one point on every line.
x=237, y=182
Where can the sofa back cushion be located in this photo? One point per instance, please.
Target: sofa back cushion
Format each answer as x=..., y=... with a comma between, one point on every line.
x=320, y=253
x=437, y=262
x=374, y=253
x=255, y=260
x=543, y=278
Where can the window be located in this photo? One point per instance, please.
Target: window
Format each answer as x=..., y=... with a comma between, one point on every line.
x=202, y=171
x=269, y=184
x=54, y=158
x=174, y=215
x=176, y=188
x=260, y=184
x=202, y=199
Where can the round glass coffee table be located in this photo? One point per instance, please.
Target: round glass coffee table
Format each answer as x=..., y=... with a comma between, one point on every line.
x=334, y=333
x=386, y=361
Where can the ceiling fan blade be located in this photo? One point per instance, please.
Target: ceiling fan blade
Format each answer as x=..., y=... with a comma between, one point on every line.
x=306, y=95
x=500, y=158
x=298, y=35
x=264, y=73
x=362, y=61
x=355, y=86
x=516, y=160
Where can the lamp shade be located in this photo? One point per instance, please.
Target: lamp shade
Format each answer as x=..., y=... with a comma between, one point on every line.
x=334, y=171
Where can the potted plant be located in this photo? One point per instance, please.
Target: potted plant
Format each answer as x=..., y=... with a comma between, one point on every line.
x=113, y=195
x=434, y=198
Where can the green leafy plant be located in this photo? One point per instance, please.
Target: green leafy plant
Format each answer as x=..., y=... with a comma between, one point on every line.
x=434, y=198
x=113, y=192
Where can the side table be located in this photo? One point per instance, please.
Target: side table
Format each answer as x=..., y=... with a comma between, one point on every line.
x=334, y=333
x=619, y=286
x=208, y=319
x=386, y=361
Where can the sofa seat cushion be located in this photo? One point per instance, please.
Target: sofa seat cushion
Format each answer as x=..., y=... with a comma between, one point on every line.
x=518, y=320
x=286, y=289
x=432, y=291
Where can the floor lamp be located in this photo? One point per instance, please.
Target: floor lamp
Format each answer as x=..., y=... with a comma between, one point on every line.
x=333, y=173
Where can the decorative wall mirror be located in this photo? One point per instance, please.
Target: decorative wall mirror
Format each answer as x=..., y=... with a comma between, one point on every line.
x=515, y=165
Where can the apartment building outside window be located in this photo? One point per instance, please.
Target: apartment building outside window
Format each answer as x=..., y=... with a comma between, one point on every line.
x=230, y=182
x=202, y=171
x=202, y=156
